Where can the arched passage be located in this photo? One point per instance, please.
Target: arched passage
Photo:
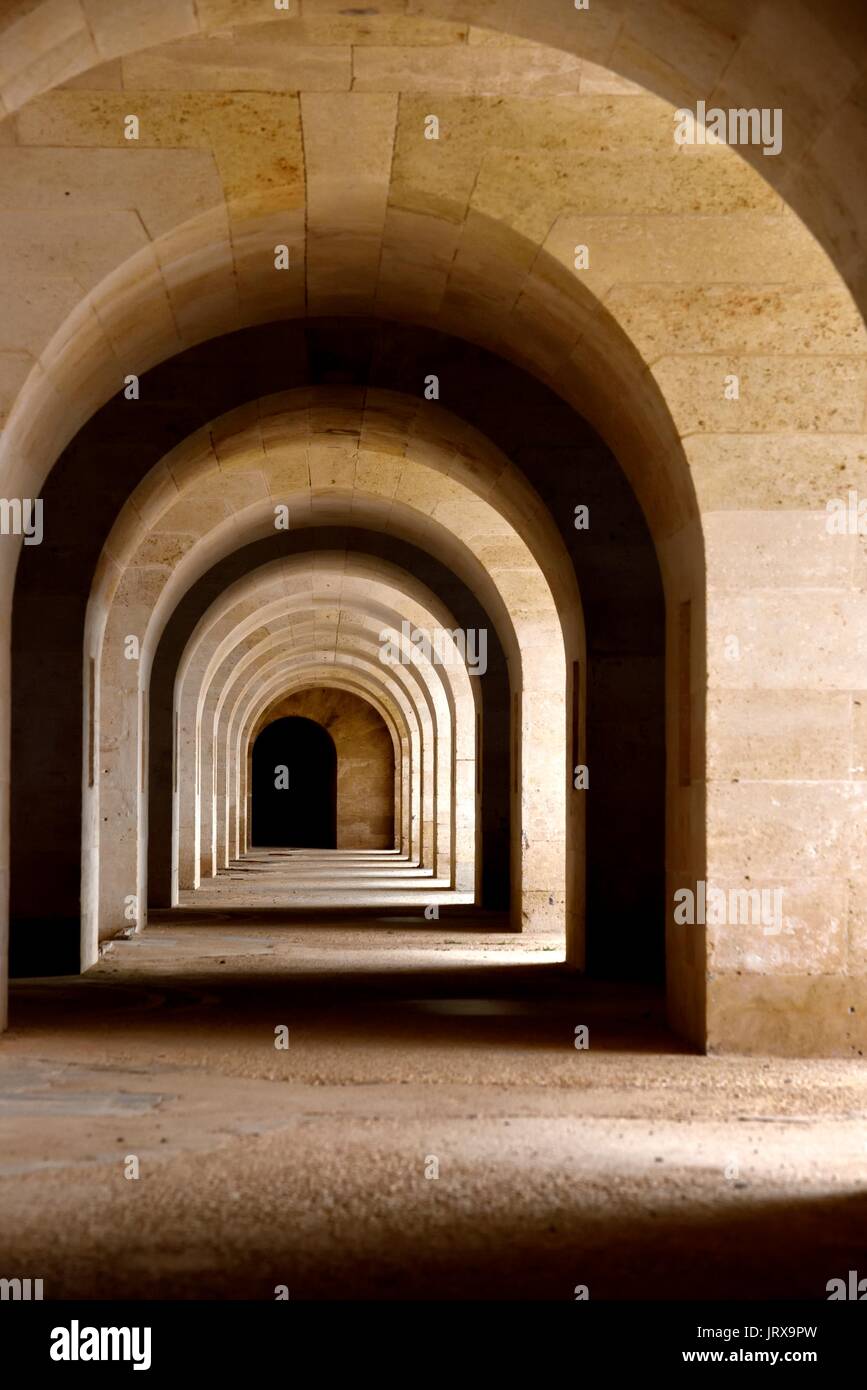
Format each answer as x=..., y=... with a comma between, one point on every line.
x=480, y=513
x=465, y=240
x=294, y=790
x=327, y=607
x=493, y=690
x=410, y=321
x=620, y=662
x=368, y=759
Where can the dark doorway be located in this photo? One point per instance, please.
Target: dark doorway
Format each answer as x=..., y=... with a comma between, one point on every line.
x=295, y=785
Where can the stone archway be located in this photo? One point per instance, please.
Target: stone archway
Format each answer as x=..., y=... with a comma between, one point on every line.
x=297, y=756
x=368, y=761
x=471, y=241
x=465, y=527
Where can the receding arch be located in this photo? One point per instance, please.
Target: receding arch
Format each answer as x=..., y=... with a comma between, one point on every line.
x=349, y=674
x=240, y=642
x=369, y=769
x=294, y=785
x=538, y=672
x=325, y=341
x=360, y=648
x=660, y=391
x=672, y=49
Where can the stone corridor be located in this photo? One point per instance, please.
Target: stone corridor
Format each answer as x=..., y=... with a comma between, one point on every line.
x=433, y=674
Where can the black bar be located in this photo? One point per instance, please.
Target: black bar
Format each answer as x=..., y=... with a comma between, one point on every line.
x=257, y=1338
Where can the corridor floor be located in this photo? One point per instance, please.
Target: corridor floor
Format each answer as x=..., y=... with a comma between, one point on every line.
x=429, y=1131
x=322, y=878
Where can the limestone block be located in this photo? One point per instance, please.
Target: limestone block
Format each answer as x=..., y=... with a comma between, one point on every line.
x=817, y=641
x=823, y=181
x=264, y=58
x=196, y=516
x=83, y=246
x=105, y=77
x=482, y=70
x=165, y=548
x=417, y=253
x=787, y=1015
x=597, y=80
x=140, y=337
x=770, y=735
x=80, y=364
x=120, y=171
x=671, y=251
x=529, y=190
x=669, y=319
x=857, y=926
x=47, y=45
x=698, y=52
x=119, y=28
x=14, y=369
x=542, y=916
x=140, y=591
x=194, y=459
x=783, y=831
x=812, y=939
x=286, y=477
x=767, y=471
x=125, y=535
x=806, y=86
x=776, y=394
x=377, y=474
x=858, y=763
x=223, y=14
x=784, y=549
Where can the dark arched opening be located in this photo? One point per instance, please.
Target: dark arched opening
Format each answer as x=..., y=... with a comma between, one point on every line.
x=295, y=785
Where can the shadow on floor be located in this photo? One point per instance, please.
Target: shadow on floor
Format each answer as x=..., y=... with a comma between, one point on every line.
x=466, y=917
x=518, y=1006
x=240, y=1238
